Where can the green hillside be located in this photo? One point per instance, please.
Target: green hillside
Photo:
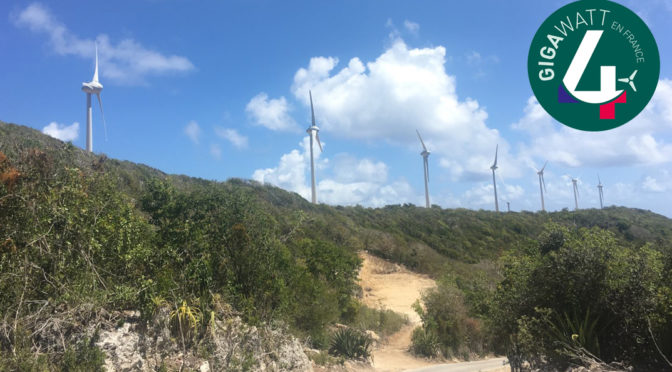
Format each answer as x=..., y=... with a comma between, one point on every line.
x=83, y=230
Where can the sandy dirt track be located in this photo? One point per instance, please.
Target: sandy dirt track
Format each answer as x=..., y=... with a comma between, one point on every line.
x=390, y=286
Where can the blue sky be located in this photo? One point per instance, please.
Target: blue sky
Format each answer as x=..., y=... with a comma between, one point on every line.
x=217, y=89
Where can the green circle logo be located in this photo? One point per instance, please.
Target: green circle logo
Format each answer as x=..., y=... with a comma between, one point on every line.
x=593, y=65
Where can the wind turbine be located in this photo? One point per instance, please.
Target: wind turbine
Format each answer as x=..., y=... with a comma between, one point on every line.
x=425, y=155
x=494, y=183
x=599, y=189
x=630, y=80
x=93, y=87
x=542, y=182
x=313, y=129
x=576, y=193
x=508, y=206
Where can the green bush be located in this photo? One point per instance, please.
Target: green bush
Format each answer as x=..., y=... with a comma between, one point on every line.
x=351, y=343
x=382, y=321
x=425, y=343
x=584, y=289
x=84, y=357
x=446, y=317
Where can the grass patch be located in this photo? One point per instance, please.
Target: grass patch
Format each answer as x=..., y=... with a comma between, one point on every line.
x=382, y=321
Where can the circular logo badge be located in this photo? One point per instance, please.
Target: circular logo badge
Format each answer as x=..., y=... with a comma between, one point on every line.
x=593, y=65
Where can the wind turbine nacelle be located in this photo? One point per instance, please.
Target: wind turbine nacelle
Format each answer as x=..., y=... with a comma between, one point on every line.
x=92, y=87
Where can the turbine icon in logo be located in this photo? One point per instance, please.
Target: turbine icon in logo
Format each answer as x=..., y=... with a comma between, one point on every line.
x=630, y=80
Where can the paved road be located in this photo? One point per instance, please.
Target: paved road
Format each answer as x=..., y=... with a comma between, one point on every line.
x=479, y=365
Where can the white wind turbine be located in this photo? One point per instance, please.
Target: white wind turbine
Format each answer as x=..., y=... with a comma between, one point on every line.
x=542, y=182
x=313, y=129
x=630, y=80
x=494, y=183
x=93, y=87
x=425, y=155
x=576, y=193
x=599, y=189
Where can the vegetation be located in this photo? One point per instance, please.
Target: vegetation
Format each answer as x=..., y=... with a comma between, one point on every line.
x=83, y=236
x=581, y=292
x=351, y=343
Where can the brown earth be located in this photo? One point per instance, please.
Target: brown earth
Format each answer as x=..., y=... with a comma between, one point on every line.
x=391, y=286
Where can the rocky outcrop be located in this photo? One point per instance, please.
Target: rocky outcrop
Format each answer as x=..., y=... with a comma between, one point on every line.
x=225, y=345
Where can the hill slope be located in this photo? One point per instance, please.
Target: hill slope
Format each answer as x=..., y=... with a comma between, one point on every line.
x=80, y=229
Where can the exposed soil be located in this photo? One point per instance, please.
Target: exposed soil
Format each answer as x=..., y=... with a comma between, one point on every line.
x=391, y=286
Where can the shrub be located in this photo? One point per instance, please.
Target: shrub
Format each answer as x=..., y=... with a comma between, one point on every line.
x=351, y=343
x=382, y=321
x=425, y=343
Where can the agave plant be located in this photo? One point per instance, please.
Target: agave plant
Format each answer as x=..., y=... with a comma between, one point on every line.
x=351, y=343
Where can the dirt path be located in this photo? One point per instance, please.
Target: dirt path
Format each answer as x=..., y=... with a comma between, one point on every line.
x=390, y=286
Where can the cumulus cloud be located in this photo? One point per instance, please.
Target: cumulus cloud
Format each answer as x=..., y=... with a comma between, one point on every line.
x=231, y=135
x=271, y=113
x=61, y=131
x=193, y=131
x=646, y=140
x=126, y=61
x=345, y=180
x=402, y=90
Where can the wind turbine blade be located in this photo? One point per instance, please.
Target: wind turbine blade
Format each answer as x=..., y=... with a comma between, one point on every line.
x=317, y=137
x=421, y=141
x=426, y=170
x=100, y=103
x=624, y=80
x=312, y=111
x=496, y=151
x=598, y=179
x=544, y=167
x=95, y=72
x=633, y=75
x=632, y=85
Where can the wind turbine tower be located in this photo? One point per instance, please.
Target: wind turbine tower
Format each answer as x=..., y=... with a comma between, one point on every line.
x=599, y=189
x=425, y=155
x=542, y=182
x=313, y=130
x=576, y=194
x=494, y=183
x=92, y=87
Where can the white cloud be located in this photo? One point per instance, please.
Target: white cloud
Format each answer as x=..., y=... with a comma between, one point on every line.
x=402, y=90
x=346, y=180
x=193, y=131
x=126, y=62
x=272, y=114
x=231, y=135
x=61, y=131
x=646, y=140
x=412, y=27
x=216, y=151
x=651, y=184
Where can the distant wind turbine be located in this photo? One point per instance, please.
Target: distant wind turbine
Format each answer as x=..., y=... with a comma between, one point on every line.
x=93, y=87
x=576, y=193
x=425, y=155
x=542, y=182
x=313, y=129
x=599, y=189
x=494, y=183
x=508, y=206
